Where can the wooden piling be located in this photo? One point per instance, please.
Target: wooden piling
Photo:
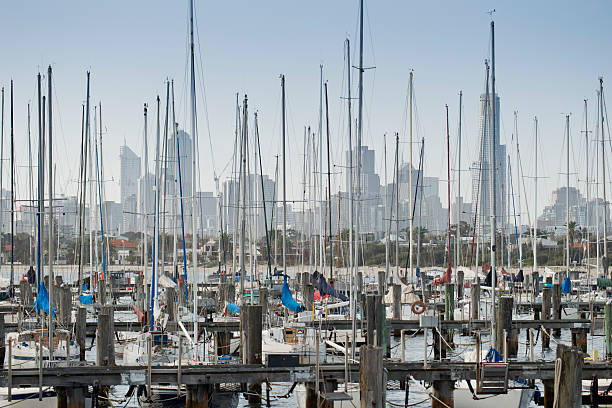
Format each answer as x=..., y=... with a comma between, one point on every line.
x=549, y=393
x=535, y=284
x=105, y=346
x=71, y=397
x=579, y=339
x=309, y=296
x=81, y=331
x=2, y=340
x=197, y=396
x=171, y=304
x=503, y=322
x=556, y=306
x=102, y=297
x=460, y=285
x=382, y=285
x=372, y=378
x=26, y=297
x=397, y=306
x=263, y=301
x=449, y=311
x=546, y=301
x=251, y=323
x=449, y=301
x=608, y=328
x=442, y=396
x=568, y=376
x=370, y=318
x=64, y=295
x=475, y=300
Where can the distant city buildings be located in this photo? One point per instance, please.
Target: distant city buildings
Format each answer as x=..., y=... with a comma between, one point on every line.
x=554, y=216
x=129, y=176
x=481, y=169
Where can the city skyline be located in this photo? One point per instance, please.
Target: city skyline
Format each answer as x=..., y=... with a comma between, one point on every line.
x=440, y=32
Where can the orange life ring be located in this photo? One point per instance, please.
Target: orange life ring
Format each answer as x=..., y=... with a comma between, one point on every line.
x=418, y=307
x=277, y=310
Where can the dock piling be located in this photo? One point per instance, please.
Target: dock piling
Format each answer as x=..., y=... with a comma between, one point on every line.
x=372, y=377
x=546, y=300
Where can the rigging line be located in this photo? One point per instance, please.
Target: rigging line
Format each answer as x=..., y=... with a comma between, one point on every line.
x=415, y=195
x=514, y=210
x=205, y=101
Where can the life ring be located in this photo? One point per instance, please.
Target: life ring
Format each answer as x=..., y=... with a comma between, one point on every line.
x=277, y=310
x=418, y=307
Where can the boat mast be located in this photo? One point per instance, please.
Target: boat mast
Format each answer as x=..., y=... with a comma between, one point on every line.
x=567, y=204
x=165, y=182
x=236, y=182
x=518, y=171
x=603, y=183
x=397, y=264
x=12, y=281
x=321, y=215
x=284, y=176
x=41, y=208
x=448, y=184
x=458, y=209
x=411, y=198
x=386, y=212
x=145, y=201
x=588, y=192
x=154, y=267
x=493, y=178
x=597, y=206
x=535, y=198
x=51, y=240
x=194, y=154
x=359, y=138
x=329, y=200
x=351, y=271
x=243, y=198
x=31, y=188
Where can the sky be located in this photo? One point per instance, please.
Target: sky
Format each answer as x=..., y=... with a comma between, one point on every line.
x=549, y=56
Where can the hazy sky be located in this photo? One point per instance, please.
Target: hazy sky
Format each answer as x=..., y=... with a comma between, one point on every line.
x=549, y=57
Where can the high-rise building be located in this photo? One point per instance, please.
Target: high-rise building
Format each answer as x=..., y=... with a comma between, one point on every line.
x=370, y=187
x=482, y=168
x=231, y=202
x=130, y=173
x=172, y=173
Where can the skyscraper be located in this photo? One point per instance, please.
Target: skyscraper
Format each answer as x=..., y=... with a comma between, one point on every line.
x=172, y=173
x=130, y=172
x=481, y=169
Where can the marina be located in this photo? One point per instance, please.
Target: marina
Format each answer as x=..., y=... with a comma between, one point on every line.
x=312, y=276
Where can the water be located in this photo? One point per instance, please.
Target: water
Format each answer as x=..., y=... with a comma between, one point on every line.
x=414, y=352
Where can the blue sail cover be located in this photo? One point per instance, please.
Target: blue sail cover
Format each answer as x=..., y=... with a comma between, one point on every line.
x=288, y=300
x=86, y=299
x=232, y=307
x=42, y=300
x=567, y=286
x=325, y=288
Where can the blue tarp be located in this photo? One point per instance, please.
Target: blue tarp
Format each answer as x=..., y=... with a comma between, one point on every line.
x=232, y=307
x=493, y=356
x=86, y=299
x=42, y=300
x=325, y=288
x=566, y=287
x=288, y=300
